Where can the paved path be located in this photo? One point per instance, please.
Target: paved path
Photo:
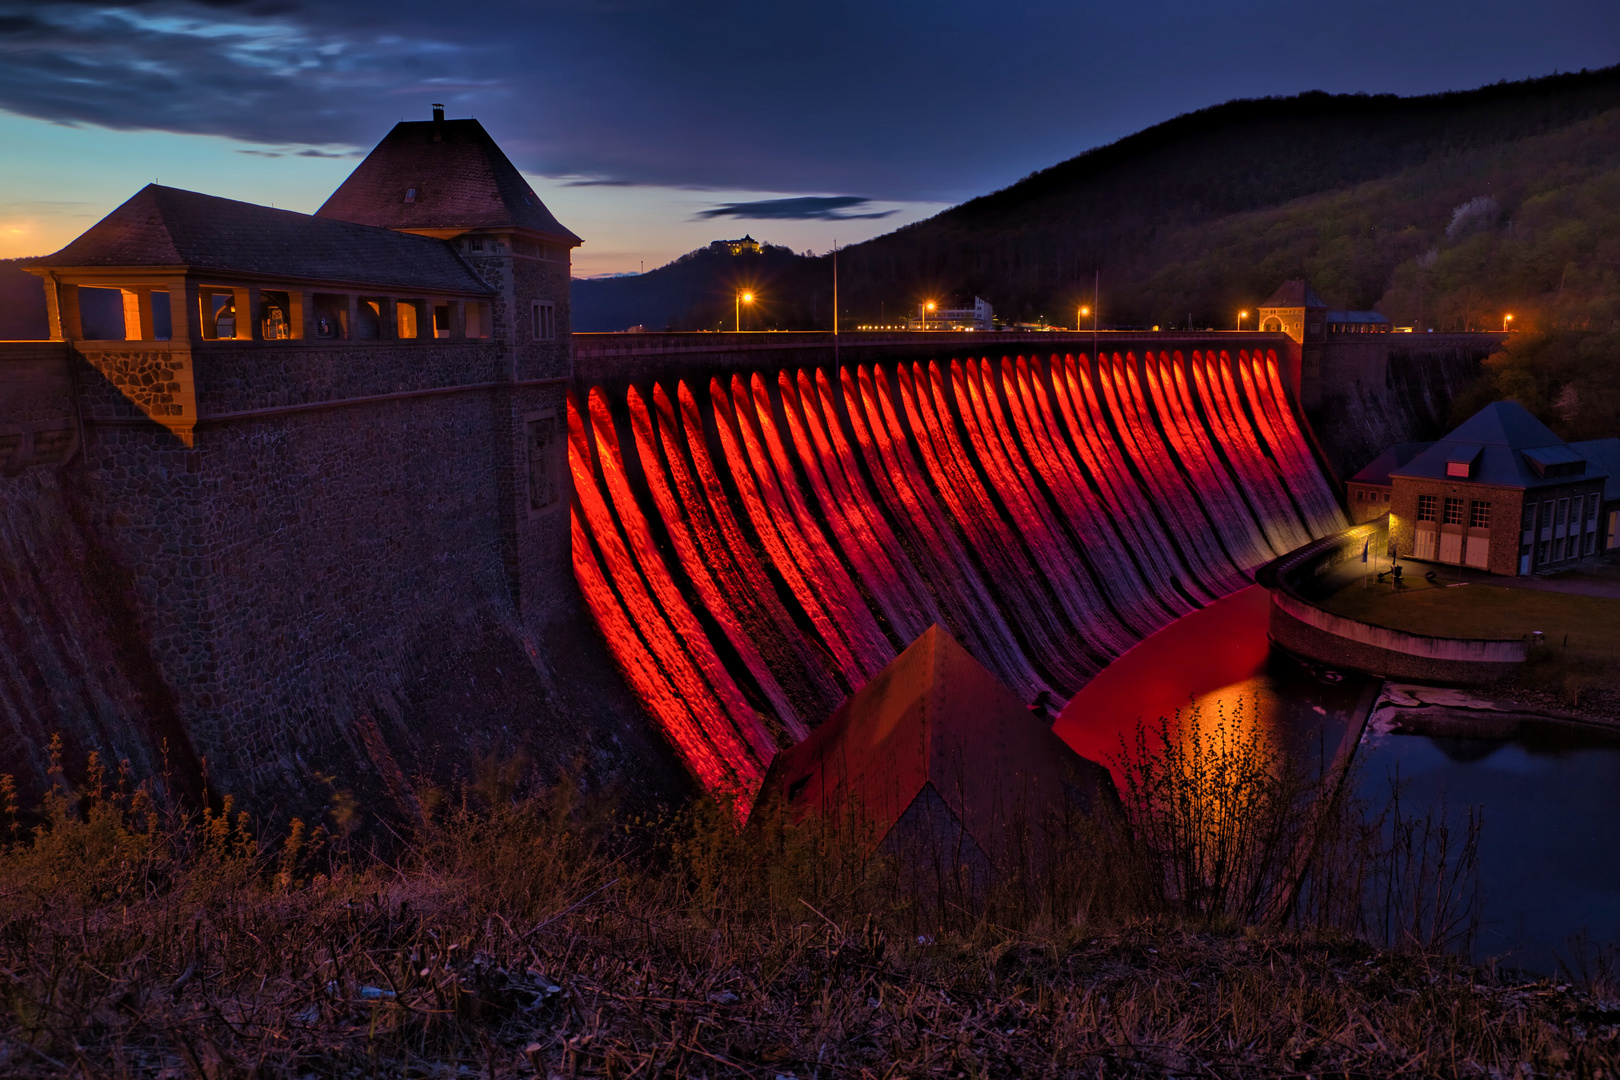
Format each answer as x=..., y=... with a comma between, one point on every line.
x=1601, y=579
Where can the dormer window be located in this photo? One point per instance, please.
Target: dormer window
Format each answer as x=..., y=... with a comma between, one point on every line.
x=410, y=194
x=477, y=244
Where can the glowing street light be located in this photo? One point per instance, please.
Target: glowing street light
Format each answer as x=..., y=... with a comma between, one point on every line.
x=742, y=298
x=1241, y=316
x=1505, y=320
x=928, y=306
x=1081, y=315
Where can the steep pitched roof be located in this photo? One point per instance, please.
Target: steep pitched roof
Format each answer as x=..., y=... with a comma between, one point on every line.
x=1377, y=470
x=459, y=177
x=164, y=226
x=1602, y=456
x=1295, y=294
x=935, y=729
x=1496, y=439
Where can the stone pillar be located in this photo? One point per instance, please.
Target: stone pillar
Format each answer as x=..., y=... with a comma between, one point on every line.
x=185, y=311
x=138, y=314
x=245, y=300
x=67, y=326
x=301, y=319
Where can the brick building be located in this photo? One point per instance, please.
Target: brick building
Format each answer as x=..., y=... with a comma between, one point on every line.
x=1502, y=493
x=318, y=489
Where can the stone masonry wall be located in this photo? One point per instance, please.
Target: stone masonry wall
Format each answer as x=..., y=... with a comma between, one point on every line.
x=339, y=596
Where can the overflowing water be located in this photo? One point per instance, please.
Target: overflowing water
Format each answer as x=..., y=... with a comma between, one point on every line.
x=754, y=549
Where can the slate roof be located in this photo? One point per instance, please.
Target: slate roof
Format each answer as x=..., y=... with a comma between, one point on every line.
x=1377, y=470
x=1602, y=456
x=461, y=181
x=1295, y=294
x=164, y=226
x=934, y=726
x=1501, y=432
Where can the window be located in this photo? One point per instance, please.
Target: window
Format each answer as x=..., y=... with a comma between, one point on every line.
x=1546, y=514
x=1592, y=507
x=1386, y=496
x=477, y=319
x=441, y=320
x=1541, y=553
x=1479, y=515
x=275, y=324
x=1558, y=549
x=1426, y=507
x=1563, y=512
x=1454, y=509
x=331, y=315
x=1529, y=522
x=543, y=464
x=1591, y=542
x=544, y=326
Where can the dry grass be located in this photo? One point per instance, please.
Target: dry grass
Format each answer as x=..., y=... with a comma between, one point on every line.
x=535, y=933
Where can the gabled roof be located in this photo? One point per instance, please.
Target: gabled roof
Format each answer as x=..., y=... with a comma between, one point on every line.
x=1295, y=294
x=164, y=226
x=1502, y=431
x=460, y=179
x=1602, y=458
x=1377, y=470
x=935, y=726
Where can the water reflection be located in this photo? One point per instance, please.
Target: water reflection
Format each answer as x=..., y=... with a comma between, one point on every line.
x=1211, y=663
x=1549, y=853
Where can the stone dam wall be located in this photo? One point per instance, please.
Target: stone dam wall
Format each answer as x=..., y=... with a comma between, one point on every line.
x=334, y=584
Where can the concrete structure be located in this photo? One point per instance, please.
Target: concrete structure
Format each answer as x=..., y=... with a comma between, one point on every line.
x=1299, y=579
x=309, y=517
x=1502, y=493
x=937, y=762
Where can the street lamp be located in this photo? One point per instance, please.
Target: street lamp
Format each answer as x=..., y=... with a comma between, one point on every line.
x=1241, y=316
x=1080, y=316
x=926, y=308
x=742, y=298
x=1505, y=320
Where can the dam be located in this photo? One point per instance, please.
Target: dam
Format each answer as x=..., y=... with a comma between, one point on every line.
x=753, y=545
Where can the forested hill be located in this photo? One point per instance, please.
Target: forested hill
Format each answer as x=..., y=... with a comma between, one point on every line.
x=1446, y=210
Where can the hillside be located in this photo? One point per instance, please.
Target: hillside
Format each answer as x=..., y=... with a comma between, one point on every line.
x=1447, y=209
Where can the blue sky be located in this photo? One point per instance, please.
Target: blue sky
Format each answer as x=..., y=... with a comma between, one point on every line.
x=650, y=128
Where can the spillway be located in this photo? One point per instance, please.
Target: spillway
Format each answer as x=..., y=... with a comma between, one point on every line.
x=755, y=547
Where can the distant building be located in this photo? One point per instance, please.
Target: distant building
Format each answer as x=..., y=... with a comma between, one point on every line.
x=746, y=246
x=1356, y=322
x=1369, y=490
x=1502, y=493
x=1295, y=310
x=981, y=316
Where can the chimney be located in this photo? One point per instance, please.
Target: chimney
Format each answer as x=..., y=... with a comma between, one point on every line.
x=438, y=122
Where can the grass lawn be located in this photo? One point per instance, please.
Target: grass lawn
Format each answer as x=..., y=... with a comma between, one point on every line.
x=1477, y=610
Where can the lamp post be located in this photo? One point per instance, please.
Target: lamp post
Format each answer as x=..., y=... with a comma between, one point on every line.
x=1505, y=320
x=926, y=308
x=1080, y=316
x=742, y=298
x=1241, y=316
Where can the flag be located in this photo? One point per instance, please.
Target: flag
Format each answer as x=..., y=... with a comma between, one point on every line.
x=1365, y=544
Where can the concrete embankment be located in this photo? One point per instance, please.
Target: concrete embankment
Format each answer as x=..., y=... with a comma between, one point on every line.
x=1298, y=580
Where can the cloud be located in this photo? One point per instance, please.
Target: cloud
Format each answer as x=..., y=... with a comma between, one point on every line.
x=802, y=208
x=602, y=183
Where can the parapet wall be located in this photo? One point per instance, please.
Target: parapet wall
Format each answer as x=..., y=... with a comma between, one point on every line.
x=1297, y=624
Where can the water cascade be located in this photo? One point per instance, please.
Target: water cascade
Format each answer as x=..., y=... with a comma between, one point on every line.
x=755, y=549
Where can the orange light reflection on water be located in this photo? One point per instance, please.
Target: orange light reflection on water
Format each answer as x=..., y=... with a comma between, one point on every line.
x=1210, y=657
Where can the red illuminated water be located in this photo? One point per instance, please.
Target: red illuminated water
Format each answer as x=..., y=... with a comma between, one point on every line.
x=753, y=554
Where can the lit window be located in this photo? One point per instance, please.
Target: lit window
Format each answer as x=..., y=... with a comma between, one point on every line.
x=1479, y=515
x=409, y=319
x=1454, y=509
x=1426, y=505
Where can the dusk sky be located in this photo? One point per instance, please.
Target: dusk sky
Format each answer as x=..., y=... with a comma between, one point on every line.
x=650, y=128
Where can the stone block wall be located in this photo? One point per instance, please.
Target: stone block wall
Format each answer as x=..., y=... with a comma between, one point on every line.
x=333, y=585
